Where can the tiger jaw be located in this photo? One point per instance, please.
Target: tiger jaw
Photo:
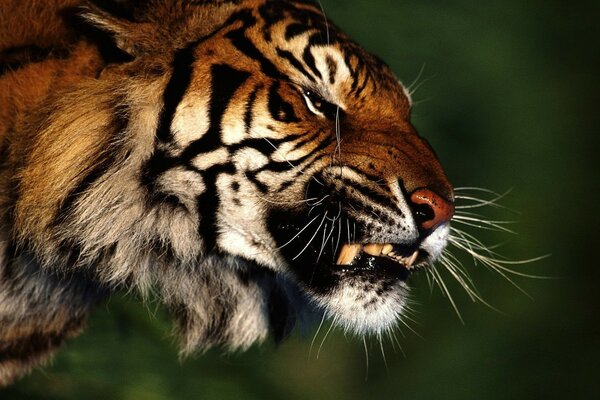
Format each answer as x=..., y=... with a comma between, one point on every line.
x=360, y=284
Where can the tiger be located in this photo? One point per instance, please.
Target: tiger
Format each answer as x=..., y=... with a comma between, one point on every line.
x=242, y=160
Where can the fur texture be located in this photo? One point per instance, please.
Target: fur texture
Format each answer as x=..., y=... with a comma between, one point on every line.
x=198, y=148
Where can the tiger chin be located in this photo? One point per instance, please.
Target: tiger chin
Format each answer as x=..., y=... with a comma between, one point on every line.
x=245, y=160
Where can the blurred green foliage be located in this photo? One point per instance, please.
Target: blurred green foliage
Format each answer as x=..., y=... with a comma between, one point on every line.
x=508, y=97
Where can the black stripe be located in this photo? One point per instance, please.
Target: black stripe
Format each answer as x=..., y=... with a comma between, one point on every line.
x=245, y=45
x=263, y=145
x=252, y=177
x=90, y=177
x=248, y=114
x=306, y=140
x=275, y=11
x=106, y=161
x=286, y=166
x=332, y=67
x=283, y=166
x=181, y=77
x=294, y=62
x=295, y=29
x=363, y=85
x=280, y=109
x=377, y=198
x=309, y=60
x=354, y=70
x=176, y=88
x=208, y=204
x=299, y=172
x=159, y=163
x=225, y=81
x=14, y=58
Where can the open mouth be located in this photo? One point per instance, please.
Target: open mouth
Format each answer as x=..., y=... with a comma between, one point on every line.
x=323, y=263
x=391, y=258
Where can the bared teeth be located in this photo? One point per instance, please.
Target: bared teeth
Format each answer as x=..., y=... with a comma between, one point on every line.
x=373, y=249
x=387, y=249
x=348, y=253
x=411, y=260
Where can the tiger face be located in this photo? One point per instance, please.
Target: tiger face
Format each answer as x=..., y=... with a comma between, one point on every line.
x=305, y=159
x=244, y=158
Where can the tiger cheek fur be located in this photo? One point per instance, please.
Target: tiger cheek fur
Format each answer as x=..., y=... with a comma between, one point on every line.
x=245, y=158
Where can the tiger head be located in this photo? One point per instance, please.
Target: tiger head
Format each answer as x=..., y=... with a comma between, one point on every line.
x=293, y=149
x=250, y=143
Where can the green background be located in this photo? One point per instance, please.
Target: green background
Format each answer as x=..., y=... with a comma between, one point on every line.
x=509, y=99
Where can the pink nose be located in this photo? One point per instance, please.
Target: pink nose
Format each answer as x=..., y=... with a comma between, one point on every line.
x=430, y=209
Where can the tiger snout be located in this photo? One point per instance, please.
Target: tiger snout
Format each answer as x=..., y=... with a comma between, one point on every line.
x=370, y=220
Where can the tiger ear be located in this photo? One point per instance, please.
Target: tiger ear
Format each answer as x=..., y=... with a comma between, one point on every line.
x=132, y=37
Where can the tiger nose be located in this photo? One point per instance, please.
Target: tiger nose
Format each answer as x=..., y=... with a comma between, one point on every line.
x=430, y=209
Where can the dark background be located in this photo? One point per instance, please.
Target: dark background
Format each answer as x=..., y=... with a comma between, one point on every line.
x=509, y=99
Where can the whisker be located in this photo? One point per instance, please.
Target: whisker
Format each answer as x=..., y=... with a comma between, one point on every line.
x=299, y=233
x=482, y=224
x=325, y=337
x=494, y=265
x=444, y=289
x=339, y=236
x=298, y=169
x=469, y=287
x=472, y=242
x=410, y=86
x=410, y=328
x=366, y=358
x=326, y=21
x=475, y=189
x=326, y=240
x=393, y=334
x=382, y=351
x=312, y=343
x=311, y=239
x=412, y=91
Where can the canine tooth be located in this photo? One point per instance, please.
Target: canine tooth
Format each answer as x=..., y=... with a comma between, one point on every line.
x=348, y=253
x=387, y=249
x=373, y=249
x=411, y=260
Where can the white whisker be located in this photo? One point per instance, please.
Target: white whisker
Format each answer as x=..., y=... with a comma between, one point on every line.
x=483, y=224
x=325, y=337
x=444, y=289
x=366, y=358
x=299, y=233
x=312, y=343
x=382, y=351
x=311, y=239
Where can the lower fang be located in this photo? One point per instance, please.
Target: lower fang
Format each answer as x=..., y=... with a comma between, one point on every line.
x=411, y=260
